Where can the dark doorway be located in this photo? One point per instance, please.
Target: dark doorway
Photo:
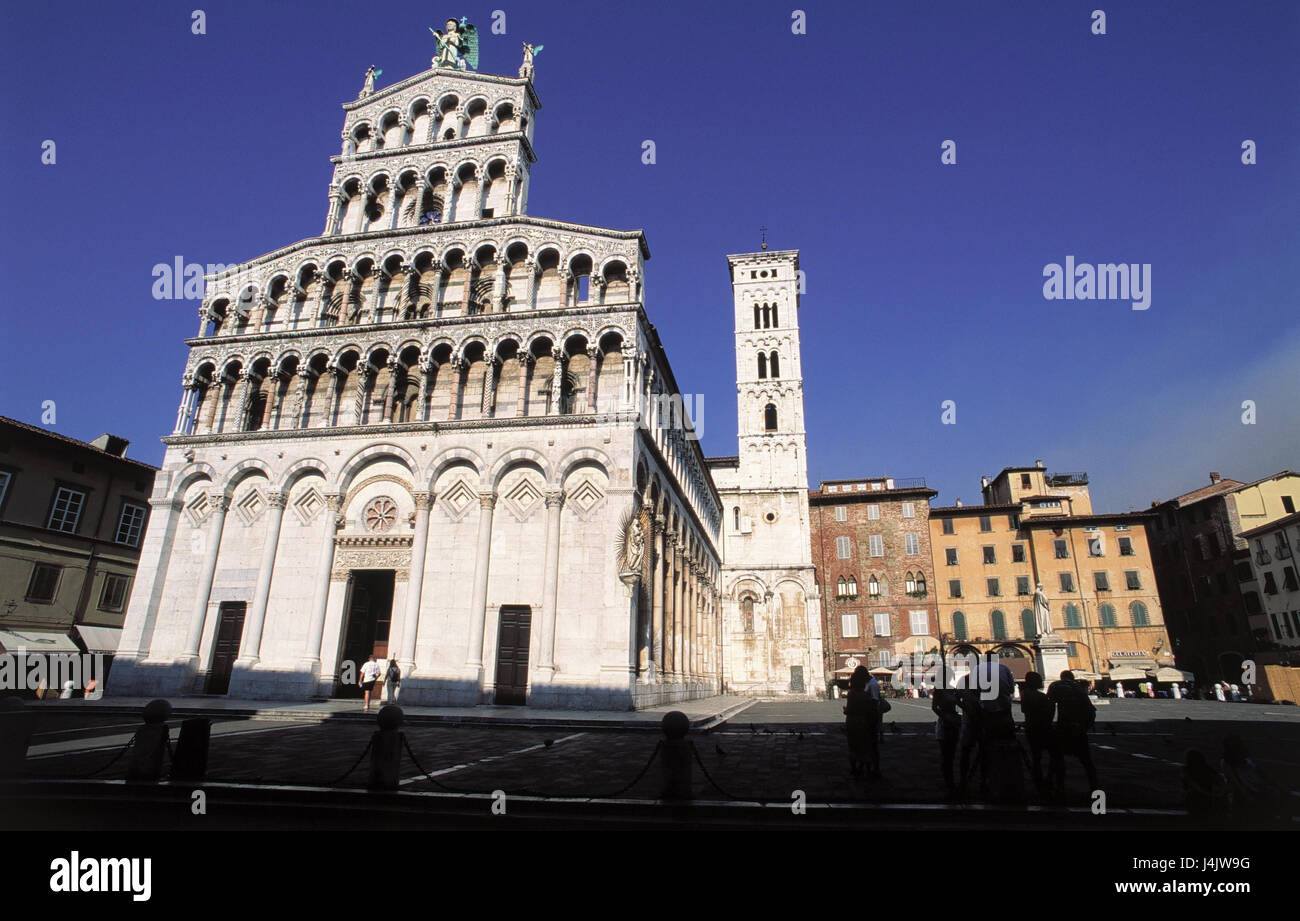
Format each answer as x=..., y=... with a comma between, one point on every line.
x=230, y=630
x=512, y=654
x=369, y=614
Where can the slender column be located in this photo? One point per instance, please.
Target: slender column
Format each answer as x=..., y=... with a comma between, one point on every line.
x=490, y=386
x=321, y=592
x=250, y=647
x=530, y=282
x=187, y=394
x=470, y=266
x=593, y=356
x=657, y=599
x=551, y=580
x=365, y=371
x=512, y=187
x=689, y=621
x=525, y=365
x=499, y=286
x=557, y=381
x=456, y=409
x=194, y=635
x=337, y=379
x=427, y=368
x=566, y=280
x=415, y=583
x=246, y=379
x=670, y=604
x=394, y=196
x=393, y=366
x=335, y=210
x=679, y=616
x=275, y=405
x=300, y=397
x=272, y=398
x=482, y=560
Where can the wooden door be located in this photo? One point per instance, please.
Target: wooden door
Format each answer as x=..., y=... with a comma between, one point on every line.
x=230, y=630
x=512, y=654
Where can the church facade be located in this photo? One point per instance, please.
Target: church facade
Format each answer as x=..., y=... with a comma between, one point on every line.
x=445, y=432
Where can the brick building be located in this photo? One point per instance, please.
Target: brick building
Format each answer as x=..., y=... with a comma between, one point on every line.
x=871, y=547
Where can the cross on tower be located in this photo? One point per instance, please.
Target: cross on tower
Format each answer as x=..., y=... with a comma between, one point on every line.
x=763, y=231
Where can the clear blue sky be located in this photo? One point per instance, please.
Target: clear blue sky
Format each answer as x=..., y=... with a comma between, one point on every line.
x=924, y=281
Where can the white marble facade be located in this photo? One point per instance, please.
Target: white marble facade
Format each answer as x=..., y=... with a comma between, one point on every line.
x=452, y=394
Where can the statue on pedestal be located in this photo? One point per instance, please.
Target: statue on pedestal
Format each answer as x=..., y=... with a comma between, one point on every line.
x=1042, y=614
x=458, y=46
x=530, y=51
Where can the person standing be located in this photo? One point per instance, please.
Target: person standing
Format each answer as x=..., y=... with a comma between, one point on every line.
x=947, y=730
x=393, y=680
x=1038, y=710
x=862, y=723
x=1218, y=690
x=369, y=675
x=1075, y=714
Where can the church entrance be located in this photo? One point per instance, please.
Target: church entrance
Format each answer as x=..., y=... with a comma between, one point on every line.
x=225, y=649
x=368, y=616
x=512, y=654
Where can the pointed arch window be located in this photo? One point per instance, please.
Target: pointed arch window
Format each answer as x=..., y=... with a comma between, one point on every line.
x=911, y=584
x=841, y=588
x=920, y=583
x=774, y=362
x=769, y=417
x=762, y=365
x=853, y=587
x=873, y=587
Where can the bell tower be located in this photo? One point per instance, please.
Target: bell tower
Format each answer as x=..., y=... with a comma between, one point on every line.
x=772, y=608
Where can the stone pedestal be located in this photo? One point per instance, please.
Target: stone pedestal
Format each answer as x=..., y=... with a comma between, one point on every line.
x=1051, y=657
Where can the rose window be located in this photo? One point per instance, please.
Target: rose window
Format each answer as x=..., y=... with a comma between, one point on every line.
x=380, y=515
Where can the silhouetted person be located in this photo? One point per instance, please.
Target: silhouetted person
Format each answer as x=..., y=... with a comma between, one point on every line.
x=1075, y=715
x=943, y=702
x=968, y=700
x=1250, y=790
x=369, y=675
x=1038, y=710
x=393, y=680
x=862, y=723
x=1204, y=789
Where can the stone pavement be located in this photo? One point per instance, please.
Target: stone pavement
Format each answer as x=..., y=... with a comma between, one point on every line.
x=766, y=754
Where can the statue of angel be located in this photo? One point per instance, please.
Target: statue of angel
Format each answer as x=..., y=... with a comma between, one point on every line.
x=530, y=51
x=458, y=46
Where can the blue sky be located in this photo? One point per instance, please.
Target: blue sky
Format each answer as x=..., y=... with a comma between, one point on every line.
x=924, y=280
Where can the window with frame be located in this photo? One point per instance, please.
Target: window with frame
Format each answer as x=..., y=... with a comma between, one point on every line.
x=1270, y=584
x=113, y=594
x=44, y=583
x=1028, y=623
x=1106, y=614
x=986, y=523
x=849, y=626
x=1131, y=580
x=1072, y=617
x=873, y=512
x=877, y=544
x=999, y=621
x=842, y=548
x=910, y=581
x=1062, y=549
x=1125, y=546
x=1072, y=649
x=1022, y=585
x=841, y=513
x=1139, y=612
x=873, y=588
x=950, y=556
x=1014, y=521
x=881, y=623
x=1101, y=581
x=130, y=525
x=5, y=478
x=912, y=544
x=1067, y=581
x=994, y=588
x=1096, y=547
x=909, y=510
x=947, y=526
x=990, y=556
x=954, y=588
x=66, y=511
x=1017, y=553
x=920, y=622
x=1289, y=578
x=853, y=587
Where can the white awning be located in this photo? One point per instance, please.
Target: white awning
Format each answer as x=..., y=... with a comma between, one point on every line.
x=1127, y=673
x=36, y=641
x=100, y=639
x=1174, y=674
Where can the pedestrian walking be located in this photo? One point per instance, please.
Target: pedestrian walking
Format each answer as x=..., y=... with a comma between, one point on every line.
x=369, y=675
x=948, y=731
x=1038, y=710
x=393, y=680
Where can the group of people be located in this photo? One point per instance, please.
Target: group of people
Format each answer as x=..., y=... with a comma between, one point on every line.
x=369, y=677
x=975, y=721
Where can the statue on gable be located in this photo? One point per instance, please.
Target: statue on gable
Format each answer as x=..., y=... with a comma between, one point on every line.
x=458, y=46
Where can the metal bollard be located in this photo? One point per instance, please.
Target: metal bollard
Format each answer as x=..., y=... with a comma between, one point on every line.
x=675, y=758
x=386, y=749
x=145, y=762
x=190, y=760
x=16, y=723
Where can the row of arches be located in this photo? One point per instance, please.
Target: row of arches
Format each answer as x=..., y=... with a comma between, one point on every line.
x=443, y=381
x=415, y=197
x=426, y=120
x=769, y=364
x=459, y=281
x=1139, y=616
x=767, y=313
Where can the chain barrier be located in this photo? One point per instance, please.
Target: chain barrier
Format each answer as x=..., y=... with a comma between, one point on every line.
x=112, y=761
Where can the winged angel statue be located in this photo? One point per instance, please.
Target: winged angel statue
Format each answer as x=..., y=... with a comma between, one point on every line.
x=458, y=46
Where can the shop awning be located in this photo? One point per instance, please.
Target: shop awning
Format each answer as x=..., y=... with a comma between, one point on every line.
x=102, y=640
x=1127, y=673
x=1174, y=674
x=882, y=670
x=36, y=641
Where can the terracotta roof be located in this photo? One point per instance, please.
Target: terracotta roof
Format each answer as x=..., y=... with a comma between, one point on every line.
x=1205, y=492
x=85, y=445
x=965, y=509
